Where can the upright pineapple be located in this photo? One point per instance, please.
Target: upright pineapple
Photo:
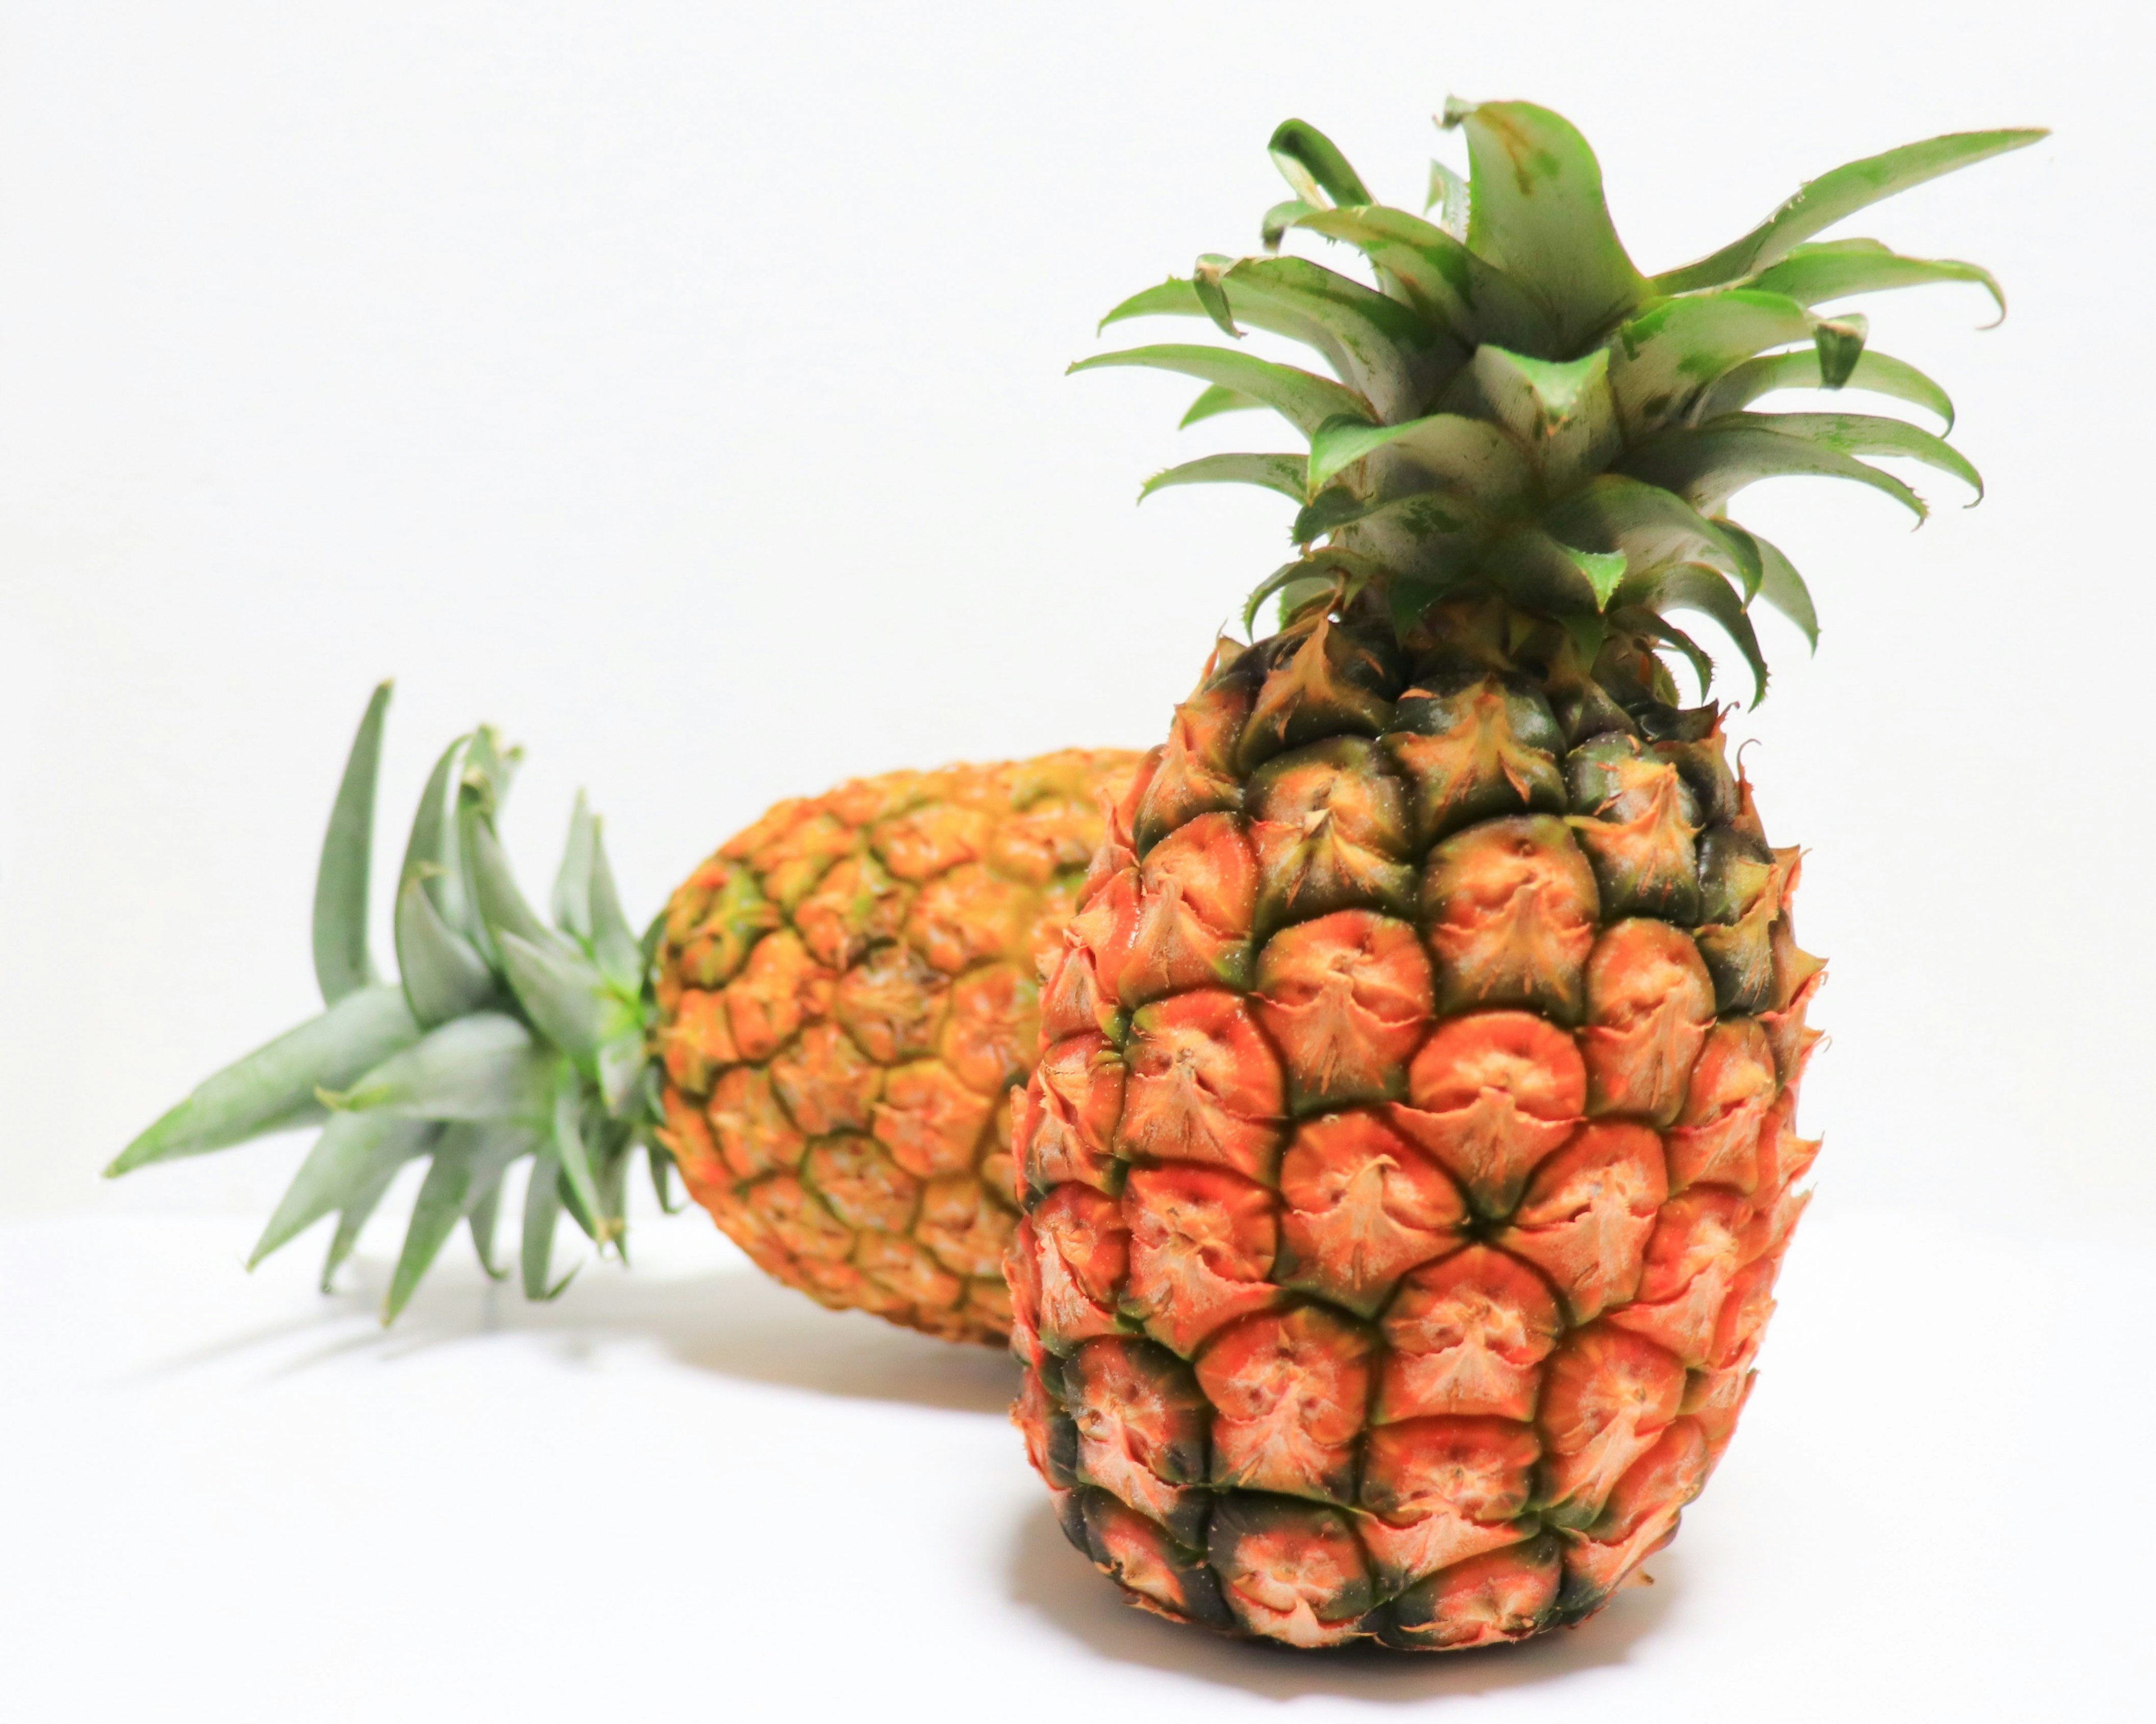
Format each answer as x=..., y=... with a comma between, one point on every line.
x=820, y=1029
x=1413, y=1144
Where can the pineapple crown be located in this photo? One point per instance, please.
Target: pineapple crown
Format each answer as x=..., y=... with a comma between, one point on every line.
x=1517, y=412
x=503, y=1037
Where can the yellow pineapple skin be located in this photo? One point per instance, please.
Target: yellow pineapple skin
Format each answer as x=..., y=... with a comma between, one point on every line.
x=1413, y=1146
x=846, y=993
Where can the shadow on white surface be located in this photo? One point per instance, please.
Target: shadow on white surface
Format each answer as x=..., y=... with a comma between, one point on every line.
x=736, y=1325
x=1049, y=1577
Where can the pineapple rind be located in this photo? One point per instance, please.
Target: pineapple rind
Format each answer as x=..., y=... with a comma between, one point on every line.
x=844, y=994
x=1355, y=1303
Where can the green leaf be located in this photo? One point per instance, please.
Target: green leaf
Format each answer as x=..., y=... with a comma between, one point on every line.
x=1689, y=588
x=1280, y=472
x=442, y=976
x=1876, y=373
x=1313, y=167
x=662, y=1172
x=1819, y=203
x=355, y=1215
x=1869, y=434
x=1448, y=195
x=1342, y=568
x=1304, y=400
x=1647, y=528
x=342, y=964
x=354, y=1152
x=1385, y=350
x=1837, y=270
x=1564, y=414
x=1438, y=275
x=571, y=900
x=563, y=993
x=1396, y=529
x=1279, y=219
x=579, y=1193
x=276, y=1087
x=543, y=1209
x=1603, y=569
x=484, y=1067
x=1175, y=297
x=1531, y=568
x=468, y=1163
x=1470, y=455
x=1536, y=211
x=613, y=945
x=1839, y=343
x=501, y=904
x=430, y=854
x=1707, y=464
x=484, y=1222
x=1659, y=360
x=1660, y=628
x=1779, y=583
x=1205, y=284
x=1212, y=400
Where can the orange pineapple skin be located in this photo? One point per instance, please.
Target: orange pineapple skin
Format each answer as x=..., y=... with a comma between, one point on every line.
x=1413, y=1146
x=846, y=993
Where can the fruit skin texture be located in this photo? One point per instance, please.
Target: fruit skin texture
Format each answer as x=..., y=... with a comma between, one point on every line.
x=1412, y=1148
x=846, y=993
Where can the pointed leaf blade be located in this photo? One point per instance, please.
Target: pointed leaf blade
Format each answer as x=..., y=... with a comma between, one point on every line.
x=1874, y=373
x=481, y=1068
x=1310, y=161
x=343, y=963
x=1661, y=359
x=277, y=1086
x=1870, y=434
x=353, y=1153
x=1707, y=464
x=1839, y=270
x=1302, y=398
x=1536, y=210
x=442, y=975
x=1819, y=203
x=1214, y=400
x=1282, y=473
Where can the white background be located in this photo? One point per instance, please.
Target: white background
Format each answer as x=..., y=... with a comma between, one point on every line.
x=679, y=388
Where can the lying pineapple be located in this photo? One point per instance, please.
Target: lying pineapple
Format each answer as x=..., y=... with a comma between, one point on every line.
x=839, y=1000
x=1415, y=1144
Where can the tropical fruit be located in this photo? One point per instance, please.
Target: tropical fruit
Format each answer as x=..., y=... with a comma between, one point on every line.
x=821, y=1027
x=1414, y=1145
x=847, y=993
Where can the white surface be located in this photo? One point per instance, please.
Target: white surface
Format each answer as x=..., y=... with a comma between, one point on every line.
x=680, y=385
x=685, y=1492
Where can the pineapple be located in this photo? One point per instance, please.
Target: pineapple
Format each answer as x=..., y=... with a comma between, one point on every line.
x=1413, y=1143
x=847, y=993
x=839, y=999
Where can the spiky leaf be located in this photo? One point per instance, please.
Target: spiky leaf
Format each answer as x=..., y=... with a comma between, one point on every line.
x=342, y=963
x=1282, y=473
x=1304, y=400
x=1707, y=464
x=1813, y=274
x=1313, y=167
x=1874, y=373
x=1536, y=210
x=278, y=1086
x=483, y=1067
x=1819, y=203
